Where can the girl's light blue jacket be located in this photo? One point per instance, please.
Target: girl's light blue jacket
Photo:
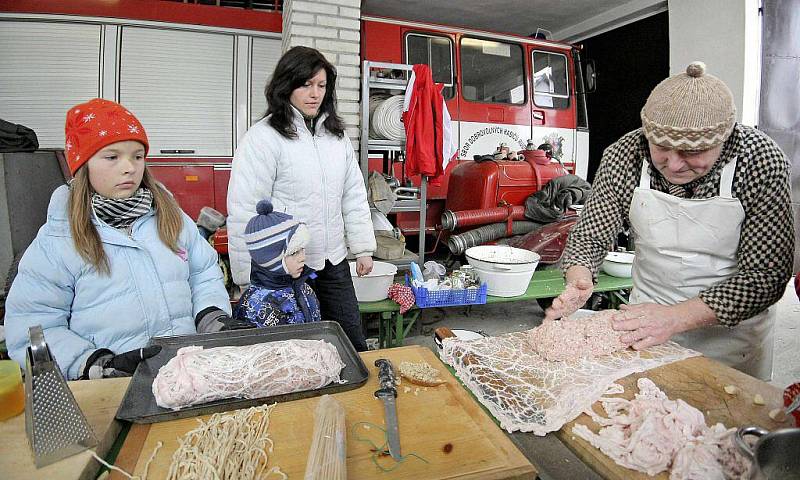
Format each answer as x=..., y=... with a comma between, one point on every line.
x=151, y=291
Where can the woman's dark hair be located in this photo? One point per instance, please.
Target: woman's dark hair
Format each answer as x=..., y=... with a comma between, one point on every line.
x=294, y=69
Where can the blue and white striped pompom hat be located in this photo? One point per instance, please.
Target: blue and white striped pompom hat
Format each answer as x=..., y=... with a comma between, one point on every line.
x=271, y=235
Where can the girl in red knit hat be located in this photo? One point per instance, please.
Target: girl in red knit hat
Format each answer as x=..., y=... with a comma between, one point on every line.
x=117, y=261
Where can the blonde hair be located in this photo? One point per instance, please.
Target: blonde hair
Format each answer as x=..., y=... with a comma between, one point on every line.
x=84, y=234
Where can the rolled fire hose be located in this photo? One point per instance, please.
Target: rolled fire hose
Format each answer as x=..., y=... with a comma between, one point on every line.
x=406, y=193
x=459, y=244
x=385, y=117
x=465, y=218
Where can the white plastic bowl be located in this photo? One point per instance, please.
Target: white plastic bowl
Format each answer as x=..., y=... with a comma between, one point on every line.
x=618, y=264
x=506, y=270
x=460, y=334
x=375, y=286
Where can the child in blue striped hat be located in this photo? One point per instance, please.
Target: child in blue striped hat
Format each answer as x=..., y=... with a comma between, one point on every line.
x=278, y=293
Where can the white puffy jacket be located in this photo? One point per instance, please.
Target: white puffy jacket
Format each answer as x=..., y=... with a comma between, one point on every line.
x=316, y=179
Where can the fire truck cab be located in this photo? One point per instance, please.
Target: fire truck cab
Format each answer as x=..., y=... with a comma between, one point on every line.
x=498, y=88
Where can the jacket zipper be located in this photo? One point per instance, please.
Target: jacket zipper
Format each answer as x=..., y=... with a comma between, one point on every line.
x=148, y=324
x=324, y=197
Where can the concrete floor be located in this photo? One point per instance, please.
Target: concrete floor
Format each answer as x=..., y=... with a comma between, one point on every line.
x=511, y=317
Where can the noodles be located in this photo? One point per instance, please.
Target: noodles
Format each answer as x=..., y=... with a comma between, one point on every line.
x=326, y=460
x=123, y=472
x=228, y=446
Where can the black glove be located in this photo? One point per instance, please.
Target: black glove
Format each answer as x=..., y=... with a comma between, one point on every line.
x=213, y=319
x=104, y=364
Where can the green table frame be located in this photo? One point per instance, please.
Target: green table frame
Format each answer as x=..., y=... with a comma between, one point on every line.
x=393, y=326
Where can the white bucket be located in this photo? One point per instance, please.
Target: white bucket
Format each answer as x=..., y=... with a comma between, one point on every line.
x=619, y=264
x=506, y=270
x=375, y=286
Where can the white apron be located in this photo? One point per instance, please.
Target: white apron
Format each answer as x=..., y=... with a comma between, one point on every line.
x=684, y=246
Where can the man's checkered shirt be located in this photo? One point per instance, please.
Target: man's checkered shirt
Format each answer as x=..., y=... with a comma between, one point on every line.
x=761, y=183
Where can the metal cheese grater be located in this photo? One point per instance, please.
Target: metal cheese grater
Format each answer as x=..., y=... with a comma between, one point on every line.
x=55, y=425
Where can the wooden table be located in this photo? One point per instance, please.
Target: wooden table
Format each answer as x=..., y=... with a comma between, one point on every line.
x=443, y=424
x=698, y=381
x=99, y=400
x=393, y=326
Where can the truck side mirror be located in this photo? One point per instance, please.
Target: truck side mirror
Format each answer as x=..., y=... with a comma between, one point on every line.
x=591, y=76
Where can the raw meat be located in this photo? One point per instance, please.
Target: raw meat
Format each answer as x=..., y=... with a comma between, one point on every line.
x=652, y=434
x=571, y=338
x=525, y=392
x=197, y=376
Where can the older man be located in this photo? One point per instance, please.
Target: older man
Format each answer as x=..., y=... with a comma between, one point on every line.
x=708, y=201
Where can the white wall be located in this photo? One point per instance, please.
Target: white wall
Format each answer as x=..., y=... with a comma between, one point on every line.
x=725, y=34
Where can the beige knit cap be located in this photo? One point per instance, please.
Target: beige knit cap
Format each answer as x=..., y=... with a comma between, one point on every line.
x=689, y=111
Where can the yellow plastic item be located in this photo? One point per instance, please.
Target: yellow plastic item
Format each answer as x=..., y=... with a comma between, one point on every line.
x=12, y=392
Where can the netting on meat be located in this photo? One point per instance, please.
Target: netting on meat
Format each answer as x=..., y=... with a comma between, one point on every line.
x=525, y=392
x=197, y=376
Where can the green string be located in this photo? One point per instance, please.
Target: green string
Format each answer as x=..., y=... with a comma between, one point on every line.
x=381, y=450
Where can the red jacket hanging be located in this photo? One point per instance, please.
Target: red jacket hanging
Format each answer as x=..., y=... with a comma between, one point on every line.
x=430, y=143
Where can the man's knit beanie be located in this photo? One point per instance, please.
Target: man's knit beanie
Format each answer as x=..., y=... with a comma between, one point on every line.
x=689, y=111
x=96, y=124
x=272, y=235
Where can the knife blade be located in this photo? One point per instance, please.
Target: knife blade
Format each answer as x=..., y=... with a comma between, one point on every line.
x=388, y=394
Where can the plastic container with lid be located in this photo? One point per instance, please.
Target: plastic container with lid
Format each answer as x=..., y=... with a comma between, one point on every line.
x=12, y=393
x=210, y=219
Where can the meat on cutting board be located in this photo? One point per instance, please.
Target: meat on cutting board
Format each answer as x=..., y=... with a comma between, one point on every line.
x=196, y=375
x=571, y=338
x=652, y=434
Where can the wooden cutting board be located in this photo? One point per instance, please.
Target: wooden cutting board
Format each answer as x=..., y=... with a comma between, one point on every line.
x=443, y=425
x=99, y=400
x=699, y=382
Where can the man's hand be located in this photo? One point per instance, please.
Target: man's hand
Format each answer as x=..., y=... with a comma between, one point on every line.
x=649, y=324
x=577, y=291
x=363, y=266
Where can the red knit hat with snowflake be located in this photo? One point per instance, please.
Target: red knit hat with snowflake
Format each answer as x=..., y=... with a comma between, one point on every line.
x=96, y=124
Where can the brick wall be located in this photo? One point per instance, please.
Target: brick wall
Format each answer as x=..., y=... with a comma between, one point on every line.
x=332, y=27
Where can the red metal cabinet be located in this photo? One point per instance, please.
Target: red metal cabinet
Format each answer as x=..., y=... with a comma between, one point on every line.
x=193, y=186
x=222, y=175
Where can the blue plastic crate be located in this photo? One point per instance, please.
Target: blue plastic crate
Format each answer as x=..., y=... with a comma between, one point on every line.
x=448, y=298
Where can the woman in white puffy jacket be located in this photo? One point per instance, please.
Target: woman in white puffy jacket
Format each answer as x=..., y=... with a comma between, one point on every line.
x=300, y=157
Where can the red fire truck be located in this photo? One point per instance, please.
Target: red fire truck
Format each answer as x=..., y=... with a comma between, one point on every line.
x=195, y=75
x=499, y=89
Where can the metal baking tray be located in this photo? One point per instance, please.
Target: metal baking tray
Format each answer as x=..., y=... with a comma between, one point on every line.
x=139, y=404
